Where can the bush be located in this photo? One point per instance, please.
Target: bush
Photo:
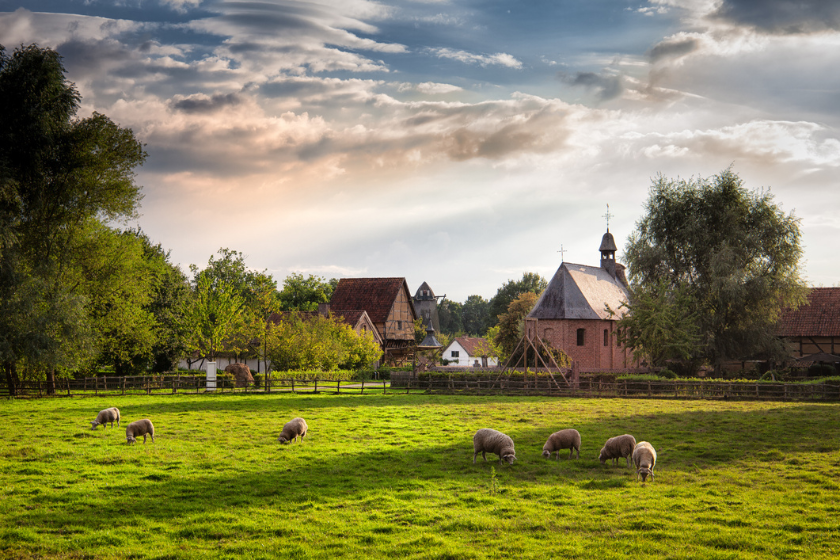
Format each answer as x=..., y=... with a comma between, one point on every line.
x=667, y=373
x=259, y=379
x=821, y=370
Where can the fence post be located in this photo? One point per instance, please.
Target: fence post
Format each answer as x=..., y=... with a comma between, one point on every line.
x=649, y=392
x=383, y=387
x=363, y=386
x=338, y=386
x=316, y=386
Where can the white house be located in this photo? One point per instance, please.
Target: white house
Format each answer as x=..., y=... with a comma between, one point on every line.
x=466, y=351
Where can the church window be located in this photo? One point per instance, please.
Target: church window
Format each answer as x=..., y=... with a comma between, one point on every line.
x=606, y=337
x=581, y=337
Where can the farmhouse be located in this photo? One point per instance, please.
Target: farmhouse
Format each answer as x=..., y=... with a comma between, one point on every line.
x=468, y=351
x=814, y=328
x=388, y=304
x=571, y=314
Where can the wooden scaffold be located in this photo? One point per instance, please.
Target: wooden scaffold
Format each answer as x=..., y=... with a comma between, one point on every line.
x=531, y=341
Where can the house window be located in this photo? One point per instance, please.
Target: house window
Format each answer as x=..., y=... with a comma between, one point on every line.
x=581, y=336
x=399, y=325
x=606, y=337
x=455, y=353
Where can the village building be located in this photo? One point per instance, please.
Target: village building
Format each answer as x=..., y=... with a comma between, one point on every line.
x=572, y=313
x=468, y=351
x=425, y=304
x=388, y=304
x=814, y=328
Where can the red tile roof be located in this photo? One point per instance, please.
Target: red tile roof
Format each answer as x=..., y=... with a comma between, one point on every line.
x=819, y=317
x=374, y=295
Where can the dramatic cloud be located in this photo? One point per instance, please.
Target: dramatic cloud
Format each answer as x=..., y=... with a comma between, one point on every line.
x=605, y=86
x=784, y=17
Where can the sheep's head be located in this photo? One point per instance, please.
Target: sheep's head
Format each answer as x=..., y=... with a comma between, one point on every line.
x=603, y=455
x=546, y=453
x=130, y=439
x=282, y=439
x=93, y=424
x=644, y=472
x=509, y=458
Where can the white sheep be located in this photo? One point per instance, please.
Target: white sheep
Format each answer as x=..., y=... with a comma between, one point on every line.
x=292, y=429
x=140, y=428
x=564, y=439
x=108, y=415
x=487, y=439
x=644, y=457
x=618, y=447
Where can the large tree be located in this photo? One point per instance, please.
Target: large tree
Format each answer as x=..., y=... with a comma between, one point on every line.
x=732, y=253
x=475, y=315
x=512, y=289
x=59, y=177
x=301, y=293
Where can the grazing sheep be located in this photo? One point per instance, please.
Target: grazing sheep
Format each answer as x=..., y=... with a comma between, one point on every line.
x=564, y=439
x=140, y=428
x=105, y=416
x=618, y=447
x=644, y=457
x=293, y=428
x=496, y=442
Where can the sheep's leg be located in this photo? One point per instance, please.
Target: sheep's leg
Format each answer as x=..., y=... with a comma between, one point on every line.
x=484, y=455
x=474, y=456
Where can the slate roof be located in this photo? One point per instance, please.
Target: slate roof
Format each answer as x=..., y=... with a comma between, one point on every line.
x=819, y=317
x=470, y=344
x=374, y=295
x=579, y=291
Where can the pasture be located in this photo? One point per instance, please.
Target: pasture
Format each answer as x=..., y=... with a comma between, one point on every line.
x=391, y=476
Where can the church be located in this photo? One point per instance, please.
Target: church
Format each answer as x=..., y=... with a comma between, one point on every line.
x=571, y=314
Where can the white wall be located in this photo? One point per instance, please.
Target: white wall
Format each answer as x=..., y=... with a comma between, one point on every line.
x=464, y=359
x=222, y=363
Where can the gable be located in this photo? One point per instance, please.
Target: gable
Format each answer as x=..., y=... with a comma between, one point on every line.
x=374, y=295
x=580, y=292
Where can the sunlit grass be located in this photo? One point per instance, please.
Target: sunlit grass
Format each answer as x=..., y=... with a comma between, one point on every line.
x=392, y=476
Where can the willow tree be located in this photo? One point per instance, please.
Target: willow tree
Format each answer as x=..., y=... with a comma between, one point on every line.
x=732, y=255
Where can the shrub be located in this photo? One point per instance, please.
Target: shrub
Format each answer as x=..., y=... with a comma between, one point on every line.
x=667, y=373
x=821, y=370
x=259, y=379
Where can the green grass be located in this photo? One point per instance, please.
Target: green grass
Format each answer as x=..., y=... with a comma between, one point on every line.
x=392, y=477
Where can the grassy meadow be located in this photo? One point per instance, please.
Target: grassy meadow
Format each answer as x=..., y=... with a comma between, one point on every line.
x=391, y=476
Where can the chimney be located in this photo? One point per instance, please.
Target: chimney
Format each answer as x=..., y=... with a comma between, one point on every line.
x=324, y=309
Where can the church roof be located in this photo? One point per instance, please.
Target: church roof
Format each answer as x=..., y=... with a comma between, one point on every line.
x=608, y=243
x=579, y=291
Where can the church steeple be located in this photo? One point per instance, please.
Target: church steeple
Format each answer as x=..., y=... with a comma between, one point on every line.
x=608, y=248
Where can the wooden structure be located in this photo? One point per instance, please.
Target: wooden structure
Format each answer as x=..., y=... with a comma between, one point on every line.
x=388, y=303
x=532, y=344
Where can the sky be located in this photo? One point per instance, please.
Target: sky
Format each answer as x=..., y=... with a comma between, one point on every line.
x=457, y=142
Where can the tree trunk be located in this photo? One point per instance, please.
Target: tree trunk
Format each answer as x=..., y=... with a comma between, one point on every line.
x=12, y=380
x=50, y=381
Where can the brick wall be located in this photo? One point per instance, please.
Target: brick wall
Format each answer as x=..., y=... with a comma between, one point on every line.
x=593, y=353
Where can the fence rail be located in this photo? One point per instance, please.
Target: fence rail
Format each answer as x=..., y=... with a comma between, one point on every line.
x=527, y=385
x=543, y=385
x=168, y=384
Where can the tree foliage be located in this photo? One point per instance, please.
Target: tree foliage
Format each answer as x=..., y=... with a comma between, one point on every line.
x=449, y=315
x=301, y=293
x=475, y=315
x=315, y=342
x=512, y=323
x=731, y=254
x=61, y=179
x=512, y=289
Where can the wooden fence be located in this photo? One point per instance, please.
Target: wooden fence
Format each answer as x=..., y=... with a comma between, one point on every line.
x=168, y=384
x=401, y=382
x=543, y=385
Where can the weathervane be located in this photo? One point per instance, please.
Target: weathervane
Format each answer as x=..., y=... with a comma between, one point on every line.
x=607, y=216
x=561, y=251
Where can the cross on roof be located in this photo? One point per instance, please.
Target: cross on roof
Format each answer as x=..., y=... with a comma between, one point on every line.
x=561, y=251
x=608, y=216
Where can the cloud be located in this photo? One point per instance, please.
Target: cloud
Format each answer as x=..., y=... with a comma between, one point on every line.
x=201, y=103
x=674, y=47
x=605, y=86
x=498, y=59
x=780, y=17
